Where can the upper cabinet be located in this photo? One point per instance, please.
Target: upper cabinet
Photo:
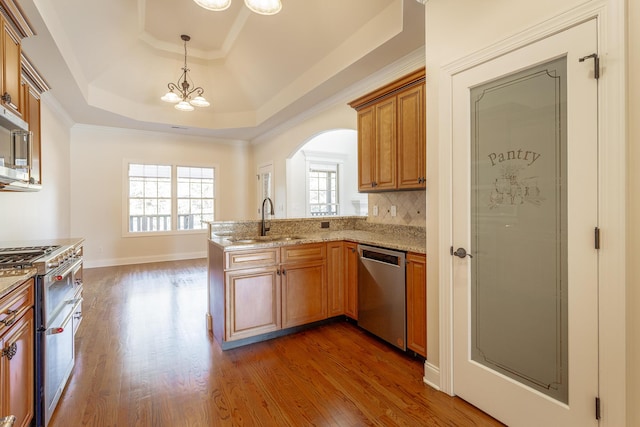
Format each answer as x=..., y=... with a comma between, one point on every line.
x=32, y=117
x=391, y=136
x=20, y=88
x=11, y=93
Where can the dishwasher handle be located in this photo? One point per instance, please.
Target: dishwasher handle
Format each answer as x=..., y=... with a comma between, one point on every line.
x=382, y=255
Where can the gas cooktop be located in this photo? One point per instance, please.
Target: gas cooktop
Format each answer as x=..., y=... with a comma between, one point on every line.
x=20, y=257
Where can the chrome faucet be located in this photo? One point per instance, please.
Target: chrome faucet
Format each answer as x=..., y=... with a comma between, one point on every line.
x=264, y=228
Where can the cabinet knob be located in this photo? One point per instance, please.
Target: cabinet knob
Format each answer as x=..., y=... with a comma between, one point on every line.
x=10, y=351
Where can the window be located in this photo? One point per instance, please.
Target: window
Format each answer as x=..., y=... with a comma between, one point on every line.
x=195, y=197
x=323, y=189
x=166, y=197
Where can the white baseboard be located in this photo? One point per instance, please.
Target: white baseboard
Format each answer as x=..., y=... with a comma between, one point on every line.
x=110, y=262
x=431, y=375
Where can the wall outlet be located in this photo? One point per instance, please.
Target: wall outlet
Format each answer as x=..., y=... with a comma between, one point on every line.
x=393, y=210
x=324, y=224
x=375, y=210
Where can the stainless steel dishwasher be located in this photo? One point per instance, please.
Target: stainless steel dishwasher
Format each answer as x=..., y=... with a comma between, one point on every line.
x=382, y=294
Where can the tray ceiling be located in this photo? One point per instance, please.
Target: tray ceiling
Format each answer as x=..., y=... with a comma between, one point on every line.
x=109, y=63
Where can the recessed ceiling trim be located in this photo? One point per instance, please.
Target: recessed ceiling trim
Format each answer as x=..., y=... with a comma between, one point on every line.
x=56, y=28
x=172, y=47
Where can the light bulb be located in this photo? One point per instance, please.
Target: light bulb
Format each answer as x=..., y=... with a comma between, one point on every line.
x=171, y=97
x=184, y=106
x=199, y=101
x=215, y=5
x=264, y=7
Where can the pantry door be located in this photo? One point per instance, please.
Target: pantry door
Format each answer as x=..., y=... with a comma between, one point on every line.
x=525, y=265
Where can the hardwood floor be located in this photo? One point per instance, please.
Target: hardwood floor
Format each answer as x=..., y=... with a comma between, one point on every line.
x=144, y=358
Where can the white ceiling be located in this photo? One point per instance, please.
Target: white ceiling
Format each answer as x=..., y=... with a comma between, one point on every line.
x=108, y=63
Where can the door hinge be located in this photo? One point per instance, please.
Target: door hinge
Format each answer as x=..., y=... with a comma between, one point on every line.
x=596, y=64
x=598, y=414
x=258, y=177
x=596, y=236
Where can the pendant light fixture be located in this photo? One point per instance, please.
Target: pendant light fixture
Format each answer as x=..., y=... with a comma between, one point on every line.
x=183, y=99
x=262, y=7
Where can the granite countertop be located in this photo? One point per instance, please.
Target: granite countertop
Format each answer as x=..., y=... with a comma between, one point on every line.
x=387, y=240
x=12, y=278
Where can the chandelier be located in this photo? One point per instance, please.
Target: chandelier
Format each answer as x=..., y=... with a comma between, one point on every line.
x=263, y=7
x=182, y=98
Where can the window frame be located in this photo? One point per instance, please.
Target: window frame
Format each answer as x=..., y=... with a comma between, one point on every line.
x=174, y=197
x=326, y=159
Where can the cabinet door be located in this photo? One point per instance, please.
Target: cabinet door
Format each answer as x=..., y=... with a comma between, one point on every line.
x=336, y=278
x=386, y=145
x=366, y=148
x=411, y=138
x=417, y=303
x=351, y=279
x=304, y=293
x=17, y=370
x=11, y=89
x=32, y=116
x=252, y=302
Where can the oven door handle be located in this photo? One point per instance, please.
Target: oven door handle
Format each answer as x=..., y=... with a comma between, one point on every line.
x=58, y=277
x=58, y=330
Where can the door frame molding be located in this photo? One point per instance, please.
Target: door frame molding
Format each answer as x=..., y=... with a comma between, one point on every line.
x=611, y=188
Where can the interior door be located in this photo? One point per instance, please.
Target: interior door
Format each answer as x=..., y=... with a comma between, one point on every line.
x=525, y=265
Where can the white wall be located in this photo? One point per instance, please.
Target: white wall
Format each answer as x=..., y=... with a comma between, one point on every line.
x=98, y=162
x=43, y=214
x=279, y=145
x=334, y=145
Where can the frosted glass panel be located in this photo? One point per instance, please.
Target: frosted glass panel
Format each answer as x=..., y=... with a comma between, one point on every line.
x=519, y=227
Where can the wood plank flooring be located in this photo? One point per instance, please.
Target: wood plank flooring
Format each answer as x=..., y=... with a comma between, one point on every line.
x=144, y=358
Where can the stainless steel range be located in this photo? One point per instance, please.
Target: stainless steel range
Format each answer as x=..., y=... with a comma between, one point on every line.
x=58, y=311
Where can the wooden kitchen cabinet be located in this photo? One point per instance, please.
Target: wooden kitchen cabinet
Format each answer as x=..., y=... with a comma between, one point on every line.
x=411, y=139
x=304, y=292
x=32, y=117
x=253, y=302
x=336, y=292
x=417, y=303
x=391, y=136
x=351, y=279
x=11, y=90
x=257, y=291
x=17, y=354
x=377, y=148
x=304, y=283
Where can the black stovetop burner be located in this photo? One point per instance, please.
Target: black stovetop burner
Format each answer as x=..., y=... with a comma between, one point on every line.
x=23, y=256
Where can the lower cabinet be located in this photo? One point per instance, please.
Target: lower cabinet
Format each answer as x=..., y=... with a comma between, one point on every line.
x=336, y=292
x=417, y=303
x=304, y=293
x=269, y=289
x=17, y=355
x=351, y=279
x=253, y=300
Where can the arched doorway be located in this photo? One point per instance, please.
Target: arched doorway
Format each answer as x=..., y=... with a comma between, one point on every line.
x=322, y=177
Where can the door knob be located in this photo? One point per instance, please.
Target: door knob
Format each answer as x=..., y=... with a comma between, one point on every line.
x=461, y=253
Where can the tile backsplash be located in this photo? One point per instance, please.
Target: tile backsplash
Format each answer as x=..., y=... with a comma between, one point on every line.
x=410, y=207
